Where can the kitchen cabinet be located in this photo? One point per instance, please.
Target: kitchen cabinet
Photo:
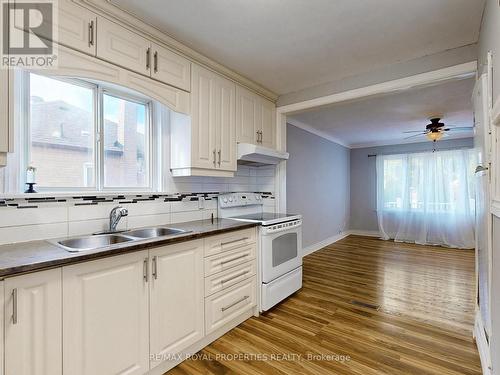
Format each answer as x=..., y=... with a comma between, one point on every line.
x=123, y=47
x=176, y=298
x=206, y=145
x=106, y=316
x=33, y=324
x=77, y=27
x=4, y=115
x=170, y=68
x=1, y=328
x=255, y=119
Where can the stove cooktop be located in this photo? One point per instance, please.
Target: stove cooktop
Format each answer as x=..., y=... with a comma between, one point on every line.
x=266, y=218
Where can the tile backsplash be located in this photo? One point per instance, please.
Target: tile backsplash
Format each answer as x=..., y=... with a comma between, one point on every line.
x=30, y=218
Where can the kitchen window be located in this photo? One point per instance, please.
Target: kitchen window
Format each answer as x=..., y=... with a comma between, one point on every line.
x=84, y=136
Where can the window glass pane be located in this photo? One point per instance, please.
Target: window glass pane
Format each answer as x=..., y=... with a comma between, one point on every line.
x=62, y=133
x=125, y=143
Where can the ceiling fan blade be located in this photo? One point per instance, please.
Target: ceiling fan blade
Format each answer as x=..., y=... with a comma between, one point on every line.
x=416, y=135
x=461, y=128
x=414, y=131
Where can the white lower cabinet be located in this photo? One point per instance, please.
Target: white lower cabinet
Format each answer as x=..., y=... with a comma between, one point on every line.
x=126, y=314
x=32, y=320
x=226, y=305
x=176, y=299
x=106, y=316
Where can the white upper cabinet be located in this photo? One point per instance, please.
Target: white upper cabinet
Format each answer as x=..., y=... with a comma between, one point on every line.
x=176, y=298
x=77, y=27
x=171, y=68
x=203, y=121
x=255, y=119
x=33, y=324
x=106, y=316
x=268, y=124
x=225, y=115
x=123, y=47
x=4, y=112
x=248, y=116
x=206, y=146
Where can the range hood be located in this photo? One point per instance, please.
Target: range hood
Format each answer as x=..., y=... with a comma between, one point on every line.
x=259, y=155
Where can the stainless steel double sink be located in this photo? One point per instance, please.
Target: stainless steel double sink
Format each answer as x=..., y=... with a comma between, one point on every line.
x=97, y=241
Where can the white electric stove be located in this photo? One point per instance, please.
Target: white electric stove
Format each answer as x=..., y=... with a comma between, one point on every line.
x=280, y=245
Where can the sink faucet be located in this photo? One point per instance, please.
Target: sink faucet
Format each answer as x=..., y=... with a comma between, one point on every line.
x=114, y=217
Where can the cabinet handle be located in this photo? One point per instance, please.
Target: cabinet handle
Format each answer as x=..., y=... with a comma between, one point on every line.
x=219, y=157
x=235, y=303
x=155, y=60
x=155, y=267
x=258, y=136
x=91, y=33
x=232, y=260
x=148, y=58
x=215, y=158
x=234, y=277
x=14, y=306
x=230, y=242
x=145, y=270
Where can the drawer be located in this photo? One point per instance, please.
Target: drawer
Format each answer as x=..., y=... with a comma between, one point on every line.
x=225, y=279
x=221, y=262
x=226, y=305
x=228, y=241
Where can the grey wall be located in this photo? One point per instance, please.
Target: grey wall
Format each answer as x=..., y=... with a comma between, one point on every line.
x=489, y=39
x=364, y=178
x=317, y=184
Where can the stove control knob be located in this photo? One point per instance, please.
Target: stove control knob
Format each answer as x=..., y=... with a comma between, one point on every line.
x=230, y=199
x=225, y=200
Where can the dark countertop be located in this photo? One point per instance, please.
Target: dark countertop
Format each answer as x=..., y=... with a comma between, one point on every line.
x=38, y=255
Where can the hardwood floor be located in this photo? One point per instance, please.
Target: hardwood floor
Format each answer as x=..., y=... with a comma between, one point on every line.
x=374, y=307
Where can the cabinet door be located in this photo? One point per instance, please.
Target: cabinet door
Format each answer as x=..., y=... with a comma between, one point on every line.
x=204, y=145
x=33, y=323
x=4, y=110
x=248, y=116
x=268, y=124
x=225, y=120
x=77, y=27
x=177, y=298
x=123, y=47
x=105, y=323
x=171, y=68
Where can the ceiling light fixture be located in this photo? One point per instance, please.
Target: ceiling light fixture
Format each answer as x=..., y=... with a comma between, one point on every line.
x=434, y=136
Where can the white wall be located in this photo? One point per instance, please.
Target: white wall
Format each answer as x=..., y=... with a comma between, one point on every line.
x=317, y=185
x=364, y=178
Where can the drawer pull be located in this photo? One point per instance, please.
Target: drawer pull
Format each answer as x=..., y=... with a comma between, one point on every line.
x=232, y=260
x=230, y=242
x=145, y=270
x=234, y=277
x=235, y=303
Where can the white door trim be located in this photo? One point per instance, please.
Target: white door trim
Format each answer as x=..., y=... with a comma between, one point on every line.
x=435, y=76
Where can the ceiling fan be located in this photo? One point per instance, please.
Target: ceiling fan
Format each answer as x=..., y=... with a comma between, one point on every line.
x=436, y=130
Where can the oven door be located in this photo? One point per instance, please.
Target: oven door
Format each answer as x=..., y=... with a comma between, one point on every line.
x=281, y=250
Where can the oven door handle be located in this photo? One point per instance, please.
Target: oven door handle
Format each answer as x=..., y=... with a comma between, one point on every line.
x=270, y=232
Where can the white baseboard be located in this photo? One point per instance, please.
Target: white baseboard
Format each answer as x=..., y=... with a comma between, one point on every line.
x=366, y=233
x=319, y=245
x=482, y=344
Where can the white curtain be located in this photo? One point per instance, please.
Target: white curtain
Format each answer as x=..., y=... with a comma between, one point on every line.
x=427, y=198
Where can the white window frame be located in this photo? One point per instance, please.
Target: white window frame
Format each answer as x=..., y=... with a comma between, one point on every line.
x=99, y=89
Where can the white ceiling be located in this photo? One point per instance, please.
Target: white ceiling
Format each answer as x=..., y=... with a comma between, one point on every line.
x=381, y=120
x=288, y=45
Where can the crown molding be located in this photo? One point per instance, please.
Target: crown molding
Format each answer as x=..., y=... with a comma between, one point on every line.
x=127, y=19
x=319, y=133
x=403, y=142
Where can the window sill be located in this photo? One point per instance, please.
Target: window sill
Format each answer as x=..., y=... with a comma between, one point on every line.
x=85, y=193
